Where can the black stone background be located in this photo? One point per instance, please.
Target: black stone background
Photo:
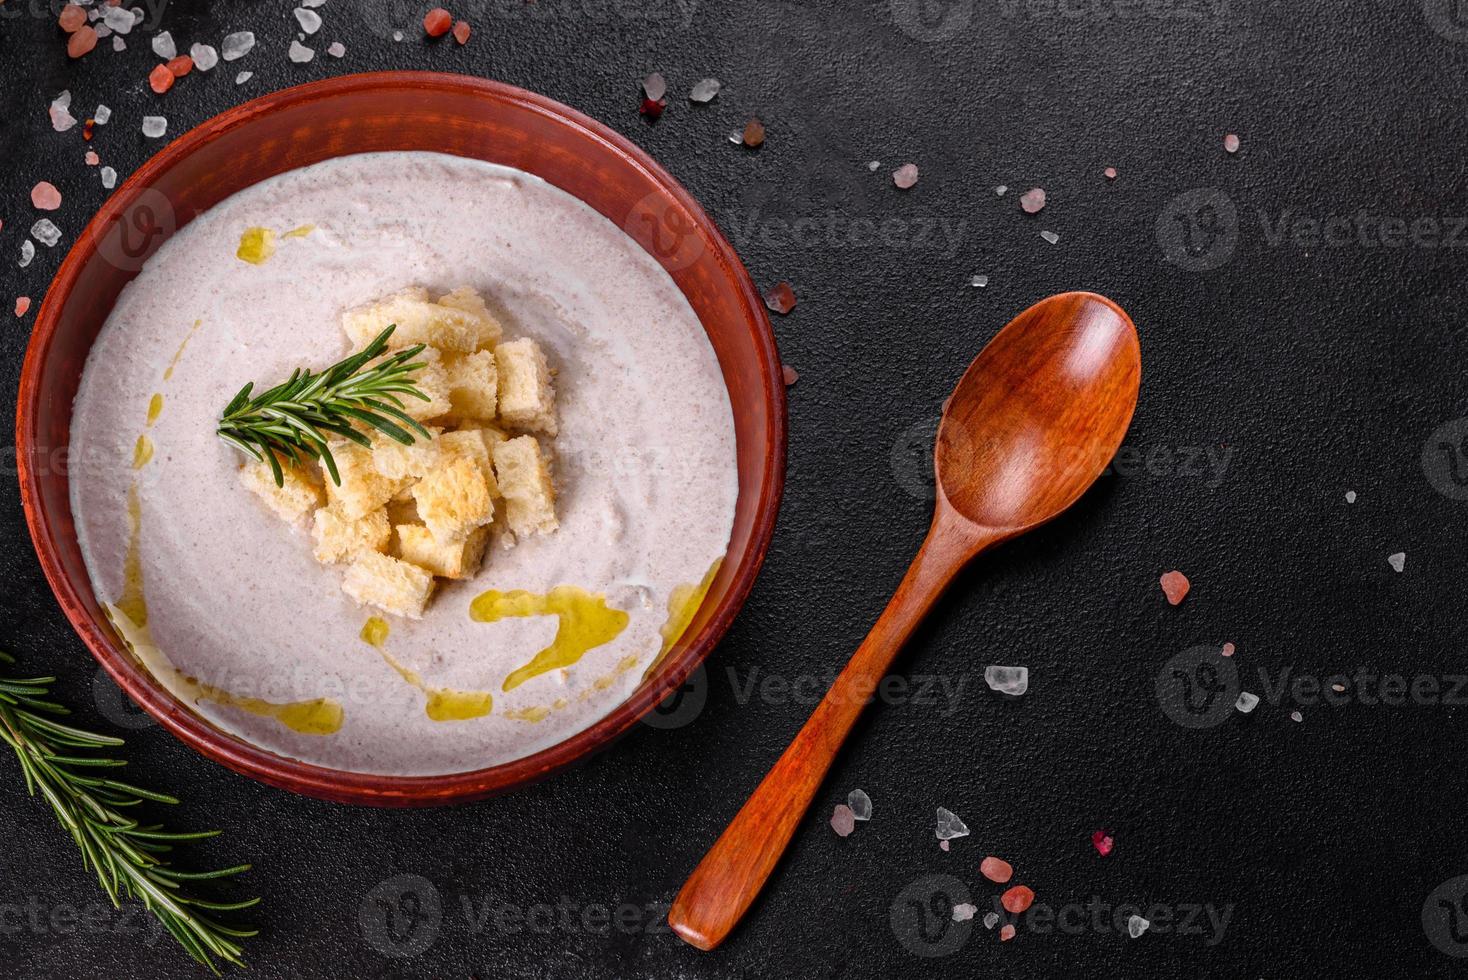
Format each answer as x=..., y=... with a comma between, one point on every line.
x=1320, y=367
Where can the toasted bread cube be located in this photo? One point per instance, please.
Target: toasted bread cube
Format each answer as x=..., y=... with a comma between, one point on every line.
x=451, y=559
x=526, y=399
x=433, y=381
x=403, y=511
x=470, y=444
x=362, y=488
x=525, y=481
x=454, y=499
x=394, y=586
x=419, y=321
x=300, y=495
x=339, y=540
x=473, y=383
x=398, y=462
x=467, y=298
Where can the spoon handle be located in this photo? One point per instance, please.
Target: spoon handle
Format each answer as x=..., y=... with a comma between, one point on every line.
x=726, y=882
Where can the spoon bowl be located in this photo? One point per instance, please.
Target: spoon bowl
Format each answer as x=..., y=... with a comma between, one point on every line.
x=1032, y=423
x=1040, y=412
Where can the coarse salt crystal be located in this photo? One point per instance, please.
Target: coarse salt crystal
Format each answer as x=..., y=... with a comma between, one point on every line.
x=979, y=281
x=943, y=845
x=163, y=45
x=118, y=18
x=1102, y=842
x=1350, y=496
x=842, y=820
x=1247, y=702
x=1231, y=143
x=27, y=252
x=780, y=298
x=109, y=177
x=102, y=115
x=1228, y=649
x=46, y=232
x=874, y=165
x=1050, y=237
x=996, y=869
x=655, y=86
x=789, y=374
x=45, y=196
x=860, y=803
x=154, y=126
x=1032, y=200
x=949, y=826
x=1001, y=190
x=118, y=44
x=1006, y=934
x=309, y=20
x=964, y=911
x=1296, y=716
x=336, y=49
x=22, y=305
x=1007, y=680
x=1017, y=899
x=1110, y=173
x=1397, y=561
x=704, y=90
x=1136, y=925
x=243, y=77
x=236, y=45
x=300, y=54
x=991, y=920
x=204, y=55
x=92, y=158
x=905, y=176
x=1175, y=586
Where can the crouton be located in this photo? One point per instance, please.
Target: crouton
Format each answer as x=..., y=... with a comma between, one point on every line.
x=419, y=321
x=525, y=482
x=526, y=399
x=470, y=444
x=466, y=298
x=394, y=586
x=362, y=489
x=454, y=499
x=453, y=559
x=472, y=381
x=339, y=540
x=300, y=495
x=398, y=462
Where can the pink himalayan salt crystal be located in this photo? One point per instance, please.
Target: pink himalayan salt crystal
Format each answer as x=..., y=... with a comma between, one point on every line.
x=1032, y=200
x=1110, y=173
x=45, y=196
x=790, y=374
x=1175, y=586
x=780, y=298
x=944, y=844
x=843, y=821
x=1231, y=143
x=1103, y=842
x=92, y=158
x=754, y=134
x=1228, y=649
x=996, y=869
x=22, y=305
x=1006, y=934
x=905, y=176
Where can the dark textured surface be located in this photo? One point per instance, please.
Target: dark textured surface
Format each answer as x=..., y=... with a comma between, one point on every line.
x=1304, y=367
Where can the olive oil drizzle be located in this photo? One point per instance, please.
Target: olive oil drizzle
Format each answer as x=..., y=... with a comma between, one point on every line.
x=683, y=605
x=443, y=703
x=584, y=622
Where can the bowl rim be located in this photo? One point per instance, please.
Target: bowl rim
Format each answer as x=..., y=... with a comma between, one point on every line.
x=367, y=788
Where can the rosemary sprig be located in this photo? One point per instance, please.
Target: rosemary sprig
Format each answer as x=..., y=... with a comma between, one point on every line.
x=294, y=419
x=127, y=856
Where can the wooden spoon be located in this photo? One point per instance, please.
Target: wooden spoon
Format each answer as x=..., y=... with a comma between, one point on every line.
x=1035, y=419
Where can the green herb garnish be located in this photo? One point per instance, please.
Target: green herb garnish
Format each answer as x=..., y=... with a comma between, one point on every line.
x=127, y=856
x=295, y=419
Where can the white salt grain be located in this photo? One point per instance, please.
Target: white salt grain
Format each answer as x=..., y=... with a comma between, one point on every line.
x=243, y=77
x=301, y=54
x=1001, y=190
x=979, y=281
x=1136, y=925
x=964, y=911
x=27, y=252
x=860, y=803
x=1007, y=680
x=45, y=232
x=991, y=920
x=163, y=45
x=154, y=126
x=949, y=826
x=102, y=115
x=1350, y=496
x=1397, y=561
x=1296, y=716
x=1050, y=237
x=309, y=20
x=205, y=57
x=705, y=90
x=1247, y=702
x=842, y=820
x=236, y=45
x=109, y=178
x=336, y=49
x=118, y=19
x=118, y=44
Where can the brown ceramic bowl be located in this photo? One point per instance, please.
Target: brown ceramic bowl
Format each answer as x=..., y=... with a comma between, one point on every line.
x=398, y=111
